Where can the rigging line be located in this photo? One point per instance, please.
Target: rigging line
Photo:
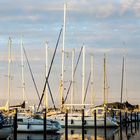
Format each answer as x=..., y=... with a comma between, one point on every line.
x=31, y=73
x=87, y=87
x=122, y=81
x=125, y=76
x=107, y=87
x=51, y=95
x=50, y=68
x=73, y=73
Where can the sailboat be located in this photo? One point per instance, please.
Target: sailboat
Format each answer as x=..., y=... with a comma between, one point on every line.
x=122, y=106
x=6, y=126
x=7, y=106
x=75, y=118
x=28, y=122
x=100, y=110
x=33, y=124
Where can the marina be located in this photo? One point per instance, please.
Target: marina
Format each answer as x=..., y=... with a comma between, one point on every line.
x=70, y=70
x=125, y=129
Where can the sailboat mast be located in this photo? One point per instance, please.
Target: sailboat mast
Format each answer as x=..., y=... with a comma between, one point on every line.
x=83, y=77
x=9, y=69
x=122, y=80
x=91, y=82
x=22, y=71
x=46, y=73
x=63, y=46
x=105, y=79
x=72, y=90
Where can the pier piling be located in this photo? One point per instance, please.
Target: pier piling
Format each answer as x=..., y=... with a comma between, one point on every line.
x=15, y=125
x=66, y=125
x=135, y=122
x=126, y=118
x=44, y=117
x=138, y=120
x=120, y=125
x=131, y=120
x=105, y=125
x=95, y=126
x=126, y=123
x=138, y=116
x=83, y=123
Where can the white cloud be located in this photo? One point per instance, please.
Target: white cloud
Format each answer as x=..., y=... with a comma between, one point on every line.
x=97, y=23
x=97, y=8
x=132, y=6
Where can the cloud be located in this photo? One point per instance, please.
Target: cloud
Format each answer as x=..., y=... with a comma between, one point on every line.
x=132, y=6
x=99, y=9
x=38, y=11
x=102, y=25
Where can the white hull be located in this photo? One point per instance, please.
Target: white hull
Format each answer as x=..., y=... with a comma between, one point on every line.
x=36, y=125
x=89, y=122
x=35, y=128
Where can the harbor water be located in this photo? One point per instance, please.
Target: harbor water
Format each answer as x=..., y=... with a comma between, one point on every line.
x=129, y=132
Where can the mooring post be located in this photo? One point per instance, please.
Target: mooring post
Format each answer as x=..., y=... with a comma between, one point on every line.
x=105, y=124
x=15, y=125
x=95, y=126
x=131, y=116
x=44, y=118
x=120, y=119
x=135, y=122
x=83, y=123
x=131, y=119
x=137, y=116
x=126, y=118
x=66, y=125
x=120, y=125
x=126, y=123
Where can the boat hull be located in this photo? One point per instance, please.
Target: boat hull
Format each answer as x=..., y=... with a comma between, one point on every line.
x=37, y=126
x=76, y=122
x=34, y=128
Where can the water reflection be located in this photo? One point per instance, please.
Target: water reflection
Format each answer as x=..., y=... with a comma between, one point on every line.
x=26, y=136
x=129, y=132
x=89, y=134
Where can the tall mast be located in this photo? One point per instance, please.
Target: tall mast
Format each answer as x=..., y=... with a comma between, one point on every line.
x=22, y=71
x=9, y=70
x=91, y=82
x=83, y=77
x=105, y=80
x=46, y=73
x=122, y=80
x=72, y=90
x=63, y=46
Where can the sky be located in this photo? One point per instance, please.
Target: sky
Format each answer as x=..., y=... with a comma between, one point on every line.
x=103, y=26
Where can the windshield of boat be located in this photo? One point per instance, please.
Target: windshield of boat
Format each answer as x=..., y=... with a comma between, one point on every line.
x=100, y=111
